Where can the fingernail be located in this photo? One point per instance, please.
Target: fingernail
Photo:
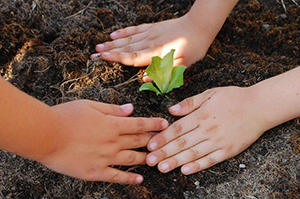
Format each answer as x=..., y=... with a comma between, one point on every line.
x=106, y=54
x=164, y=124
x=186, y=170
x=164, y=166
x=139, y=179
x=152, y=159
x=127, y=108
x=152, y=146
x=96, y=56
x=175, y=108
x=114, y=34
x=100, y=47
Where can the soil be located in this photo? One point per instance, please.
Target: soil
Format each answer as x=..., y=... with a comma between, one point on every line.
x=45, y=48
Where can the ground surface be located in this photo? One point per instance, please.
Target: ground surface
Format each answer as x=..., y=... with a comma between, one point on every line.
x=44, y=50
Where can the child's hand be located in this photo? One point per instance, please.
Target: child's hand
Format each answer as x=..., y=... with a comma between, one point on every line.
x=220, y=123
x=95, y=136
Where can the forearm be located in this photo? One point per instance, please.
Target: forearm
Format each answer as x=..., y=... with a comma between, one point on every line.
x=210, y=15
x=278, y=97
x=27, y=125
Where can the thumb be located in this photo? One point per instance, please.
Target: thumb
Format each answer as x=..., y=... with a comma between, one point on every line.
x=112, y=109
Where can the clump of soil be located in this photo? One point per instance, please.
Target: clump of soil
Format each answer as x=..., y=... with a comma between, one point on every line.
x=45, y=48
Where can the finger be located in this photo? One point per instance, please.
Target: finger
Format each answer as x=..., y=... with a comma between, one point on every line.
x=147, y=79
x=112, y=109
x=139, y=46
x=176, y=146
x=187, y=156
x=204, y=162
x=129, y=158
x=134, y=141
x=121, y=33
x=179, y=61
x=120, y=43
x=140, y=125
x=122, y=177
x=177, y=129
x=137, y=58
x=192, y=103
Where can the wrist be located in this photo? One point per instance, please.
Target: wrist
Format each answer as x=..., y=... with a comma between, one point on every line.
x=277, y=99
x=208, y=16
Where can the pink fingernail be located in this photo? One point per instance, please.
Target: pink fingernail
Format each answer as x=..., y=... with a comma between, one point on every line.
x=152, y=159
x=152, y=146
x=164, y=124
x=186, y=170
x=127, y=108
x=139, y=179
x=96, y=56
x=164, y=166
x=100, y=47
x=114, y=34
x=175, y=108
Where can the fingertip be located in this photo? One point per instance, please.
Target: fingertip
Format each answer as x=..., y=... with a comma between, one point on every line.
x=176, y=109
x=100, y=47
x=164, y=124
x=152, y=145
x=146, y=79
x=115, y=35
x=139, y=179
x=127, y=108
x=151, y=160
x=95, y=56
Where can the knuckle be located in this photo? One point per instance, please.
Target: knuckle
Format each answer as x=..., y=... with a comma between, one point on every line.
x=174, y=162
x=128, y=48
x=188, y=103
x=115, y=178
x=177, y=129
x=135, y=56
x=162, y=154
x=194, y=153
x=181, y=143
x=140, y=125
x=131, y=159
x=110, y=45
x=211, y=161
x=129, y=39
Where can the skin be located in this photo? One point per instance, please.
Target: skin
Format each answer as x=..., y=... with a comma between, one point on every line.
x=82, y=138
x=134, y=46
x=204, y=136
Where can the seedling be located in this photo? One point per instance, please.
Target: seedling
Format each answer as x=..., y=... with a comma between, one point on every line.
x=165, y=76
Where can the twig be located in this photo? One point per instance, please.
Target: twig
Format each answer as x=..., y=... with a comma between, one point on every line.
x=131, y=79
x=283, y=5
x=42, y=71
x=80, y=12
x=295, y=2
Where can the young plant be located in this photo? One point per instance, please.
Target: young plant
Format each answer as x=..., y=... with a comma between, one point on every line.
x=165, y=76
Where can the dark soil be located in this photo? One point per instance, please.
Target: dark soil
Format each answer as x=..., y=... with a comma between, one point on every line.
x=44, y=51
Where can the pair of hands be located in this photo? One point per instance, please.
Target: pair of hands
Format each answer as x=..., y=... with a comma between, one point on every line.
x=96, y=136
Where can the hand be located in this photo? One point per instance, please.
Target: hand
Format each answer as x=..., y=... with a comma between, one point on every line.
x=94, y=136
x=219, y=124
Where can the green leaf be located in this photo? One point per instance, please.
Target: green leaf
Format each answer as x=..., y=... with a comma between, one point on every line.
x=177, y=78
x=165, y=76
x=151, y=87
